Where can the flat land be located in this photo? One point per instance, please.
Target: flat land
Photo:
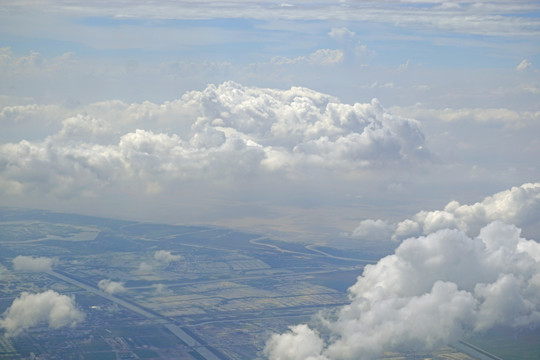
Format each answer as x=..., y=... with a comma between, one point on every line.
x=213, y=293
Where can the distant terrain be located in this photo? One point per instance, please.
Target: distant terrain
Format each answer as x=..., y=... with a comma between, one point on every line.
x=154, y=291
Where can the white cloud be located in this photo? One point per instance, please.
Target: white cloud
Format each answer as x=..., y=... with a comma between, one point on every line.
x=32, y=63
x=427, y=294
x=49, y=307
x=217, y=134
x=30, y=121
x=518, y=205
x=85, y=128
x=11, y=115
x=144, y=268
x=33, y=264
x=405, y=66
x=377, y=85
x=449, y=5
x=341, y=33
x=318, y=57
x=111, y=287
x=503, y=116
x=483, y=17
x=166, y=257
x=523, y=65
x=301, y=343
x=352, y=49
x=373, y=230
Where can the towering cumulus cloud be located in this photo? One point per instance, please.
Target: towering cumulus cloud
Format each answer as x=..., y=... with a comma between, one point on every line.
x=49, y=308
x=432, y=291
x=216, y=134
x=518, y=205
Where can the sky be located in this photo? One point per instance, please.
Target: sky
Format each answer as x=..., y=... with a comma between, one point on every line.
x=414, y=122
x=298, y=118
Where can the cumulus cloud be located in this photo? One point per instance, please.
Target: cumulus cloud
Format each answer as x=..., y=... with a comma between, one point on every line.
x=30, y=121
x=111, y=287
x=373, y=230
x=46, y=308
x=33, y=63
x=518, y=205
x=430, y=292
x=341, y=33
x=326, y=57
x=166, y=257
x=300, y=343
x=33, y=264
x=523, y=65
x=218, y=134
x=351, y=47
x=84, y=127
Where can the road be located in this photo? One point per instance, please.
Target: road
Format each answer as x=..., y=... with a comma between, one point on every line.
x=474, y=351
x=201, y=349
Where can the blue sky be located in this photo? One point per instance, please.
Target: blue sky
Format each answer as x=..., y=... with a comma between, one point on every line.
x=376, y=39
x=466, y=72
x=422, y=30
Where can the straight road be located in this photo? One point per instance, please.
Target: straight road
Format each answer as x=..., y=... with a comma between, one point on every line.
x=201, y=349
x=474, y=351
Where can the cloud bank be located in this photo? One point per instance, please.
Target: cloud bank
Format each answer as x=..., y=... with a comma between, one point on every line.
x=111, y=287
x=49, y=308
x=519, y=205
x=224, y=132
x=33, y=264
x=430, y=292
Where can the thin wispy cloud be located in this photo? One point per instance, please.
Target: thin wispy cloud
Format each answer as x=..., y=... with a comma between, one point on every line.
x=480, y=17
